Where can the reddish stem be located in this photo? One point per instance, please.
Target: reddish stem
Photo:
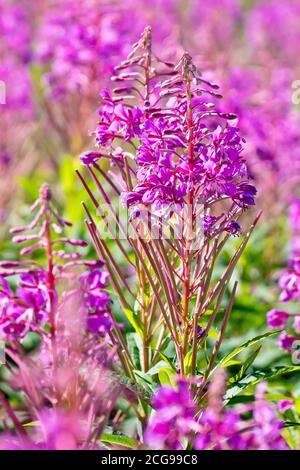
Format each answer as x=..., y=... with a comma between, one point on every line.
x=10, y=412
x=45, y=196
x=190, y=212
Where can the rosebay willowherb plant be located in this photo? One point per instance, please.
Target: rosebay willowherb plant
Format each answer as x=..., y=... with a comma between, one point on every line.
x=64, y=385
x=176, y=163
x=145, y=352
x=287, y=318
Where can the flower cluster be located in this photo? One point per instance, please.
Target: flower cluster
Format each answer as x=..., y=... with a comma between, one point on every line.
x=176, y=157
x=16, y=93
x=35, y=301
x=207, y=22
x=264, y=112
x=26, y=310
x=174, y=419
x=58, y=431
x=14, y=17
x=15, y=50
x=70, y=42
x=230, y=431
x=80, y=42
x=175, y=422
x=272, y=31
x=294, y=223
x=165, y=177
x=69, y=311
x=289, y=284
x=96, y=301
x=185, y=150
x=58, y=52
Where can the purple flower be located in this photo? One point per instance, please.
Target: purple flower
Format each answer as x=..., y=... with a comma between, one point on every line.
x=267, y=431
x=227, y=429
x=99, y=324
x=200, y=332
x=94, y=279
x=277, y=318
x=78, y=43
x=208, y=222
x=294, y=222
x=15, y=30
x=296, y=324
x=259, y=120
x=233, y=227
x=62, y=431
x=173, y=165
x=271, y=30
x=247, y=427
x=173, y=419
x=284, y=405
x=30, y=307
x=96, y=301
x=5, y=290
x=33, y=290
x=88, y=158
x=290, y=282
x=220, y=432
x=14, y=327
x=117, y=120
x=163, y=180
x=286, y=341
x=243, y=194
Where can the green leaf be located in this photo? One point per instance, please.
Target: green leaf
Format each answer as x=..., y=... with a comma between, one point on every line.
x=233, y=362
x=167, y=361
x=32, y=424
x=155, y=369
x=145, y=381
x=245, y=345
x=297, y=404
x=36, y=73
x=256, y=377
x=212, y=334
x=66, y=172
x=135, y=321
x=210, y=311
x=166, y=377
x=276, y=396
x=119, y=440
x=242, y=399
x=132, y=340
x=251, y=358
x=249, y=361
x=188, y=360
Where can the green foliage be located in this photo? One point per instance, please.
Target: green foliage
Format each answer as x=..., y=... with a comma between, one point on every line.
x=224, y=362
x=118, y=440
x=257, y=377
